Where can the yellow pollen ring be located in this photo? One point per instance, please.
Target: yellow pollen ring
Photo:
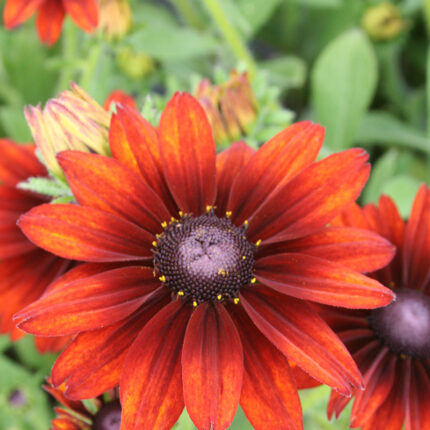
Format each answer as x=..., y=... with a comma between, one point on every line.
x=162, y=278
x=243, y=257
x=236, y=300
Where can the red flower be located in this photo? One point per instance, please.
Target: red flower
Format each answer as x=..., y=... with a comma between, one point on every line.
x=25, y=270
x=391, y=345
x=100, y=413
x=121, y=97
x=231, y=306
x=50, y=15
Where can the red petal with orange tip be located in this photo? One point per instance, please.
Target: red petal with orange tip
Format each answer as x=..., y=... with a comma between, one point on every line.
x=84, y=13
x=187, y=151
x=212, y=367
x=303, y=337
x=358, y=249
x=315, y=279
x=49, y=22
x=312, y=199
x=18, y=162
x=90, y=302
x=272, y=166
x=269, y=396
x=302, y=379
x=336, y=404
x=151, y=382
x=228, y=165
x=85, y=234
x=92, y=363
x=103, y=183
x=134, y=142
x=17, y=11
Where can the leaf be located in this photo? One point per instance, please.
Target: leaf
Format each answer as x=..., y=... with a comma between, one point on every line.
x=381, y=172
x=383, y=128
x=49, y=187
x=343, y=83
x=286, y=72
x=319, y=3
x=168, y=43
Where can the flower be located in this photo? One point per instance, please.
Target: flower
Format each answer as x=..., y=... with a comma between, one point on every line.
x=391, y=345
x=50, y=15
x=215, y=258
x=101, y=413
x=115, y=18
x=25, y=270
x=119, y=96
x=73, y=120
x=231, y=107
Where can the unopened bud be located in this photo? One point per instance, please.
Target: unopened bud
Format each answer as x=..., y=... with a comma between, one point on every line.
x=135, y=65
x=114, y=18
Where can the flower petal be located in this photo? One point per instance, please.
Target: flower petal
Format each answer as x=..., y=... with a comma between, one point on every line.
x=134, y=142
x=84, y=13
x=50, y=344
x=49, y=21
x=17, y=11
x=269, y=396
x=85, y=234
x=188, y=154
x=212, y=367
x=92, y=363
x=151, y=383
x=358, y=249
x=89, y=302
x=315, y=279
x=103, y=183
x=272, y=166
x=228, y=165
x=303, y=337
x=311, y=199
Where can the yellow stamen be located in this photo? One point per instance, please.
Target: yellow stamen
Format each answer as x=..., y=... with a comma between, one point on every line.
x=195, y=304
x=208, y=208
x=162, y=278
x=164, y=224
x=219, y=296
x=245, y=223
x=228, y=214
x=258, y=243
x=154, y=243
x=243, y=257
x=253, y=280
x=181, y=214
x=236, y=300
x=180, y=293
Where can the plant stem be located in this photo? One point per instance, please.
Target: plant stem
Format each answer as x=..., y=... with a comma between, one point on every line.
x=188, y=13
x=230, y=35
x=90, y=65
x=69, y=49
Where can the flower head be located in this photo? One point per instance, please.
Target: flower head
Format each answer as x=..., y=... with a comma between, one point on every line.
x=25, y=270
x=73, y=120
x=50, y=15
x=115, y=18
x=100, y=413
x=391, y=345
x=199, y=269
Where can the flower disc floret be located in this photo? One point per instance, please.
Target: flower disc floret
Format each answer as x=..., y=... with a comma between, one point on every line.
x=204, y=258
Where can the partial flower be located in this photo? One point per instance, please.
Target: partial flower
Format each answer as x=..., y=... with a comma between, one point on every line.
x=50, y=15
x=25, y=270
x=230, y=107
x=391, y=345
x=216, y=259
x=100, y=413
x=73, y=120
x=119, y=96
x=115, y=18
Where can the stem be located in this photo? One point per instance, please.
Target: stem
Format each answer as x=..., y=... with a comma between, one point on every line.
x=188, y=13
x=230, y=35
x=69, y=49
x=90, y=65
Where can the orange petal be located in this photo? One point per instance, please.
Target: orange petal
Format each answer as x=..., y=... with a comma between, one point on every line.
x=212, y=367
x=274, y=165
x=312, y=199
x=85, y=234
x=151, y=382
x=49, y=21
x=188, y=154
x=84, y=13
x=17, y=11
x=315, y=279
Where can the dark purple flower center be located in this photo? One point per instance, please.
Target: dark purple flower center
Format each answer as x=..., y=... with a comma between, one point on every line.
x=108, y=417
x=404, y=325
x=204, y=258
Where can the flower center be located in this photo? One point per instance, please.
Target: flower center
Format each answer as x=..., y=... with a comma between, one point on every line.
x=204, y=258
x=108, y=417
x=404, y=325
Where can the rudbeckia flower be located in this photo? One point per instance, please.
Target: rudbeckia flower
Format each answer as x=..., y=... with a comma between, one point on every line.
x=216, y=258
x=391, y=345
x=101, y=413
x=50, y=15
x=25, y=270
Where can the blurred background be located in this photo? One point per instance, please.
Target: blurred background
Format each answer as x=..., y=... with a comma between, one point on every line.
x=359, y=67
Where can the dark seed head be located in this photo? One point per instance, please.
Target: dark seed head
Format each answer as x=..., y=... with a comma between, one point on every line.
x=204, y=258
x=404, y=325
x=108, y=417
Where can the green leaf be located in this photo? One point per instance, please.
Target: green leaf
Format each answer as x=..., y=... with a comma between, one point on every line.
x=286, y=72
x=167, y=43
x=402, y=189
x=14, y=124
x=383, y=128
x=49, y=187
x=381, y=172
x=343, y=83
x=315, y=4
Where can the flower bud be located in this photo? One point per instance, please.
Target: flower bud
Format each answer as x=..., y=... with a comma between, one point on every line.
x=231, y=107
x=73, y=120
x=114, y=18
